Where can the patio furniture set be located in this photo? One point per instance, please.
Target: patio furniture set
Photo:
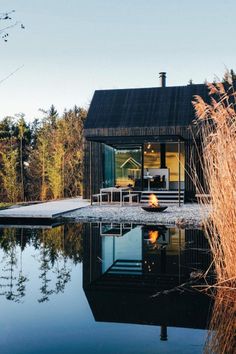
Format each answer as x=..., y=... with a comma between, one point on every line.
x=107, y=195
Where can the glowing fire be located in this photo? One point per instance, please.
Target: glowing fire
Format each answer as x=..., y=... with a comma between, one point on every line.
x=153, y=201
x=153, y=236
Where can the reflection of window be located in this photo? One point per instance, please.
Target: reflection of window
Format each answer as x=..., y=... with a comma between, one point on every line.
x=125, y=249
x=132, y=167
x=127, y=166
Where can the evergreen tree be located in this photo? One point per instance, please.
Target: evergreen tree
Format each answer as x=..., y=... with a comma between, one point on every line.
x=8, y=173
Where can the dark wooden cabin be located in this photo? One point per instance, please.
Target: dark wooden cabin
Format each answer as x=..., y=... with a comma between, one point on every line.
x=134, y=133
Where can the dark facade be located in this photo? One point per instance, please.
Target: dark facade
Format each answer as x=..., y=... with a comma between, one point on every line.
x=135, y=119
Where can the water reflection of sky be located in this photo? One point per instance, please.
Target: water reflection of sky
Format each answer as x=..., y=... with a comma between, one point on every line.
x=65, y=323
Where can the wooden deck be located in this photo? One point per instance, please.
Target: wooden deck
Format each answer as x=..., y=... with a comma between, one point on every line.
x=42, y=212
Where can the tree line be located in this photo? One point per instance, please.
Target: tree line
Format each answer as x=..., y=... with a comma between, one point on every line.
x=44, y=159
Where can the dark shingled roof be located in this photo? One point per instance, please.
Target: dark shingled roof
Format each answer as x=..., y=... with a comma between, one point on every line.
x=144, y=107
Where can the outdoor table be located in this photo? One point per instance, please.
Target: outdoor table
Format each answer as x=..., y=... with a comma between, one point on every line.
x=115, y=190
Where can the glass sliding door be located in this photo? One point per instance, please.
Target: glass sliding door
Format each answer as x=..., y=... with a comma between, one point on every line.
x=155, y=174
x=108, y=166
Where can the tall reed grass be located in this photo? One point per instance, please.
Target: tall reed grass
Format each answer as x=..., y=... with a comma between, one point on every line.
x=217, y=129
x=221, y=336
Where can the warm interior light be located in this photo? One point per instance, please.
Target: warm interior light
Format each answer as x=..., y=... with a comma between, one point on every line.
x=153, y=201
x=149, y=145
x=153, y=236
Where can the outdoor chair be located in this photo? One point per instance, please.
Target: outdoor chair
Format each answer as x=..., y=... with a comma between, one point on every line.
x=130, y=198
x=99, y=197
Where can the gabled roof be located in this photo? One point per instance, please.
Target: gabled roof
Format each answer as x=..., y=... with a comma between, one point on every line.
x=144, y=107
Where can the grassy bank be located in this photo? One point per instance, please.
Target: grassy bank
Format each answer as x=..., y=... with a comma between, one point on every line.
x=5, y=205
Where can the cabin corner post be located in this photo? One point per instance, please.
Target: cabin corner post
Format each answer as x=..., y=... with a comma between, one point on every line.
x=179, y=171
x=90, y=172
x=142, y=166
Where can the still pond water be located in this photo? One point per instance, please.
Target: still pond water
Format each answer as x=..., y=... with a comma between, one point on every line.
x=87, y=288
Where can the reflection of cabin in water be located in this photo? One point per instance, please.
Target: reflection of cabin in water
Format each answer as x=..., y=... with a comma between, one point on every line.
x=149, y=128
x=120, y=274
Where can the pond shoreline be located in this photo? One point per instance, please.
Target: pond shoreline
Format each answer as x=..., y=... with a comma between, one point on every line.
x=188, y=215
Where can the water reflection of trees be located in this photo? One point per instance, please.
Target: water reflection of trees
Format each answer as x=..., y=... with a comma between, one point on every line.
x=56, y=248
x=13, y=281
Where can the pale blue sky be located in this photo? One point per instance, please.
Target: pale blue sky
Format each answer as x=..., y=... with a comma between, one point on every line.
x=72, y=47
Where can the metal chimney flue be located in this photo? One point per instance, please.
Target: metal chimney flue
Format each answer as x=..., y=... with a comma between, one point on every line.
x=162, y=76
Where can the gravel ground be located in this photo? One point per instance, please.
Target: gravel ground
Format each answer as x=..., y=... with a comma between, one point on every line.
x=188, y=215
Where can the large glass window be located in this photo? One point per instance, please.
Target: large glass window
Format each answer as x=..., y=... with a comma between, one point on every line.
x=162, y=161
x=152, y=156
x=165, y=163
x=128, y=167
x=174, y=161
